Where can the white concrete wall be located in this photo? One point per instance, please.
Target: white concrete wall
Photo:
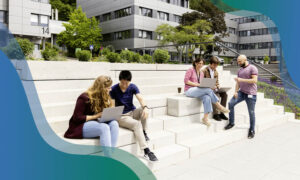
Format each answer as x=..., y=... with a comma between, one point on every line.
x=19, y=17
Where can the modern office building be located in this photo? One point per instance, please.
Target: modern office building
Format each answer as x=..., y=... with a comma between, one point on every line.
x=31, y=19
x=131, y=24
x=252, y=34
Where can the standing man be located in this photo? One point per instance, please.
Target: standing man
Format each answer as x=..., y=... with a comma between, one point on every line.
x=245, y=89
x=211, y=72
x=132, y=118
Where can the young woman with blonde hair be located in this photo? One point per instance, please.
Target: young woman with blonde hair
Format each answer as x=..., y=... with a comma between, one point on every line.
x=89, y=107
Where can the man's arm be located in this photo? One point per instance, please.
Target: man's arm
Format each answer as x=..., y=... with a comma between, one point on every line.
x=141, y=100
x=145, y=113
x=253, y=80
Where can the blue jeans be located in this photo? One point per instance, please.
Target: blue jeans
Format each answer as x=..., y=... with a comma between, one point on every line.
x=207, y=96
x=108, y=132
x=250, y=101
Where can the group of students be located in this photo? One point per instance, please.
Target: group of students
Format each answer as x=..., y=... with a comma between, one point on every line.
x=245, y=90
x=90, y=104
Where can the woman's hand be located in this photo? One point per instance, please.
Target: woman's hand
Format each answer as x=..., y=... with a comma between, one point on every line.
x=94, y=117
x=98, y=115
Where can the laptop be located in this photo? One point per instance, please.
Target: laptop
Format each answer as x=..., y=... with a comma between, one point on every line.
x=109, y=114
x=208, y=83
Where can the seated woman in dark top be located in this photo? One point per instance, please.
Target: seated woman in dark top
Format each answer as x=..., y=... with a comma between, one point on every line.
x=89, y=107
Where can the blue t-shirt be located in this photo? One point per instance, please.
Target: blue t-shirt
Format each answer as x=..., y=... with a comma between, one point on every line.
x=124, y=98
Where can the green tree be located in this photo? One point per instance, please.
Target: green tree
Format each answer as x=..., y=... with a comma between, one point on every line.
x=26, y=45
x=81, y=32
x=65, y=8
x=161, y=56
x=183, y=36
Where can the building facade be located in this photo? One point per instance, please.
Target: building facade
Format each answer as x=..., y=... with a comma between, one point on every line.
x=252, y=34
x=31, y=19
x=131, y=24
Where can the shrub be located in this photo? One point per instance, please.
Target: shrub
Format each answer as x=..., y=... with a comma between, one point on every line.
x=161, y=56
x=136, y=57
x=105, y=51
x=127, y=55
x=84, y=55
x=26, y=46
x=113, y=57
x=273, y=79
x=266, y=59
x=147, y=58
x=49, y=53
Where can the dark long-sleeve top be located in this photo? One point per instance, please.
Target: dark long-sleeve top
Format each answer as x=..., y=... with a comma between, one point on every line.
x=82, y=109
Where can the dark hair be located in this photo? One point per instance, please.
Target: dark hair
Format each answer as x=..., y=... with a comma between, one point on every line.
x=214, y=60
x=125, y=75
x=197, y=60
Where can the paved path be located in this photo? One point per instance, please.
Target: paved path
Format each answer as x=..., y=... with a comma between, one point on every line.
x=273, y=154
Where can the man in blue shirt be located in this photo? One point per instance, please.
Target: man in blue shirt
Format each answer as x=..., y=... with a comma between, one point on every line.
x=132, y=118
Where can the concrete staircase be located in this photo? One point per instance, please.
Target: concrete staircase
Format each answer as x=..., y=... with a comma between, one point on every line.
x=175, y=129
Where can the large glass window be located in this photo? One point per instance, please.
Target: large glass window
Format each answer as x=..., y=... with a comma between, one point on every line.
x=123, y=12
x=34, y=19
x=122, y=35
x=145, y=34
x=145, y=12
x=3, y=17
x=163, y=16
x=177, y=18
x=106, y=17
x=44, y=20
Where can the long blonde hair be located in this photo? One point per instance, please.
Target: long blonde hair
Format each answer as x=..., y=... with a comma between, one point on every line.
x=99, y=95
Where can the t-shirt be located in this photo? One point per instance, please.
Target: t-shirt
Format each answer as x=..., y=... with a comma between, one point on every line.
x=246, y=73
x=124, y=98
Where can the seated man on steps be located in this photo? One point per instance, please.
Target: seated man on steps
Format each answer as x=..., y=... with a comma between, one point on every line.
x=132, y=118
x=211, y=72
x=245, y=89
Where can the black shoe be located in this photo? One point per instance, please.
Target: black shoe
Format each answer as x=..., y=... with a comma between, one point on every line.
x=222, y=116
x=251, y=134
x=229, y=126
x=217, y=117
x=150, y=156
x=146, y=136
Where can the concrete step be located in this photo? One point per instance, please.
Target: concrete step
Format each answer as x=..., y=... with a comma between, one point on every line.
x=167, y=156
x=56, y=96
x=208, y=142
x=180, y=105
x=61, y=124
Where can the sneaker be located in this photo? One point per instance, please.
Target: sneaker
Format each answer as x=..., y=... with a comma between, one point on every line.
x=150, y=156
x=217, y=117
x=222, y=116
x=251, y=134
x=146, y=136
x=229, y=126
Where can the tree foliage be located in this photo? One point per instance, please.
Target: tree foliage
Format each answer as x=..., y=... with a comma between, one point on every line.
x=81, y=32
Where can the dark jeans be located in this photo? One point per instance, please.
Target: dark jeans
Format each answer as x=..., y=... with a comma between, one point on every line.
x=250, y=104
x=223, y=100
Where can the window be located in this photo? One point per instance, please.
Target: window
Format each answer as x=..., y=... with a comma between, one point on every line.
x=44, y=20
x=123, y=12
x=166, y=1
x=106, y=37
x=41, y=1
x=177, y=18
x=3, y=17
x=163, y=16
x=122, y=35
x=106, y=17
x=159, y=37
x=34, y=19
x=231, y=30
x=145, y=12
x=145, y=34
